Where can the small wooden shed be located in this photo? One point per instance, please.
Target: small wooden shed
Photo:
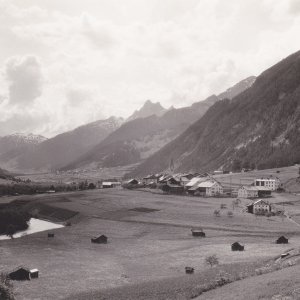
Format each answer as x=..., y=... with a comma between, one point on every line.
x=198, y=232
x=189, y=270
x=237, y=247
x=102, y=239
x=282, y=240
x=23, y=273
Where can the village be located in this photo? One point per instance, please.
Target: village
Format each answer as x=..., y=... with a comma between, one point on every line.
x=173, y=225
x=208, y=185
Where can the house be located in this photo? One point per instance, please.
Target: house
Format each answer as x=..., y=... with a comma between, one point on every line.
x=263, y=191
x=110, y=184
x=189, y=270
x=272, y=183
x=282, y=240
x=173, y=188
x=209, y=188
x=261, y=207
x=184, y=180
x=102, y=239
x=247, y=192
x=151, y=179
x=132, y=181
x=23, y=273
x=237, y=247
x=198, y=232
x=194, y=181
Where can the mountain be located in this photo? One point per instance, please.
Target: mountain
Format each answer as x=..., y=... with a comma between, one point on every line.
x=147, y=110
x=65, y=147
x=17, y=144
x=237, y=88
x=138, y=139
x=258, y=128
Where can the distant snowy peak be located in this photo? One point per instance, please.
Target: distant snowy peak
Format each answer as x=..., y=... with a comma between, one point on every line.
x=23, y=138
x=148, y=109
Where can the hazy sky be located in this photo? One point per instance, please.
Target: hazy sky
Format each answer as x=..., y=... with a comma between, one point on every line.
x=64, y=63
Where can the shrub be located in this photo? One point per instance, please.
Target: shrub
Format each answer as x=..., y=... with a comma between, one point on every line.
x=6, y=292
x=217, y=213
x=13, y=220
x=212, y=260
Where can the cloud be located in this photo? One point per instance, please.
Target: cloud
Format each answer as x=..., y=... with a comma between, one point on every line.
x=25, y=79
x=102, y=58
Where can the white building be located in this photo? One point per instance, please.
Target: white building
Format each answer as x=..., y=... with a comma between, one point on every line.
x=271, y=183
x=210, y=188
x=247, y=192
x=261, y=207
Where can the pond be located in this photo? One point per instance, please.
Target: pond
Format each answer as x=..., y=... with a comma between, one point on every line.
x=35, y=225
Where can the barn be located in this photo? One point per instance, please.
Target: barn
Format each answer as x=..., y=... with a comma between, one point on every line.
x=198, y=232
x=102, y=239
x=23, y=273
x=282, y=240
x=237, y=247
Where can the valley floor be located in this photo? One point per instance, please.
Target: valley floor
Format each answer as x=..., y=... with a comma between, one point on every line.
x=149, y=240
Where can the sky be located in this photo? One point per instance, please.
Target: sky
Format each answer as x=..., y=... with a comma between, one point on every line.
x=64, y=63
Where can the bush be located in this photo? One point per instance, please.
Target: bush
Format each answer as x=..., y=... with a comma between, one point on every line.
x=6, y=292
x=13, y=220
x=217, y=213
x=212, y=260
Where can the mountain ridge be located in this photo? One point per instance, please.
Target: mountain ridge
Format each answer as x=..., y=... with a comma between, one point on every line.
x=257, y=128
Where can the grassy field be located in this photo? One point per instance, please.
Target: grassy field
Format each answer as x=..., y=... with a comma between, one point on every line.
x=287, y=175
x=149, y=241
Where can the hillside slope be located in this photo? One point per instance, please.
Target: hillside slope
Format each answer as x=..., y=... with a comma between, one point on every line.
x=17, y=144
x=140, y=138
x=65, y=147
x=259, y=128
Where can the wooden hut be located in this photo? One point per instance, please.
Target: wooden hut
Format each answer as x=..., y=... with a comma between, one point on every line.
x=23, y=273
x=198, y=232
x=282, y=240
x=237, y=247
x=189, y=270
x=102, y=239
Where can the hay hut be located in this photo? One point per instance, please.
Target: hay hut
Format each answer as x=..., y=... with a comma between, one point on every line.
x=189, y=270
x=237, y=247
x=282, y=240
x=102, y=239
x=198, y=232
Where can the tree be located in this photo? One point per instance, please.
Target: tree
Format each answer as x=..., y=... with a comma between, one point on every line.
x=212, y=260
x=6, y=292
x=217, y=213
x=91, y=186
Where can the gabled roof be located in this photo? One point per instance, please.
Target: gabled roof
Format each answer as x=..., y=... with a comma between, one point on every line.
x=249, y=188
x=261, y=202
x=195, y=180
x=207, y=184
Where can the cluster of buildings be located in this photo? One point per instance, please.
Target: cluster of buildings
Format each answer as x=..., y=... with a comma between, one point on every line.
x=207, y=185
